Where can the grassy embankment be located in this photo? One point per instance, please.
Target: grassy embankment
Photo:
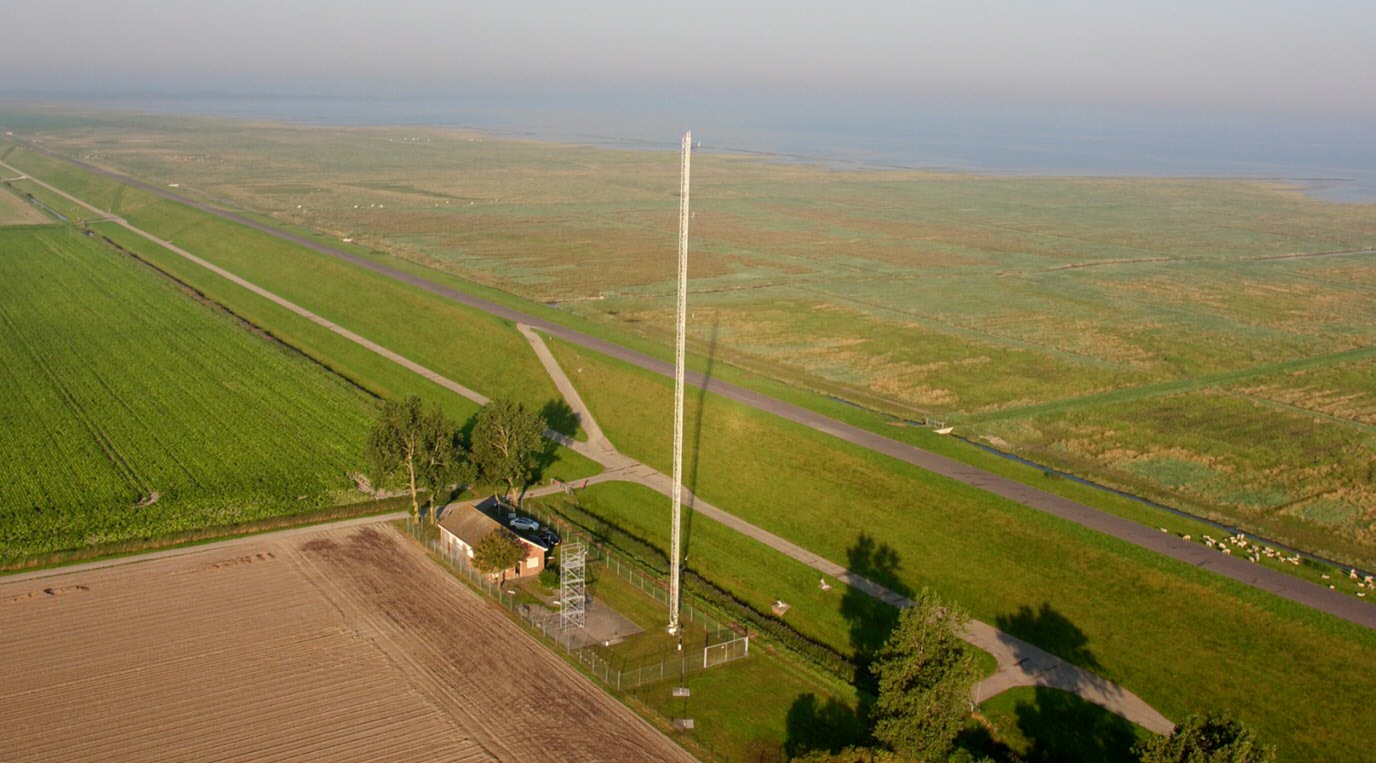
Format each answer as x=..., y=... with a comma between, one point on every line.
x=136, y=413
x=1160, y=628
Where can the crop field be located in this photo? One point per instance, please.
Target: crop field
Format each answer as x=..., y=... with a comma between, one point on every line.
x=341, y=644
x=132, y=411
x=477, y=350
x=964, y=298
x=15, y=210
x=1067, y=589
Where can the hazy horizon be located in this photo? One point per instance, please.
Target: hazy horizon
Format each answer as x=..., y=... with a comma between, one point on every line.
x=1221, y=57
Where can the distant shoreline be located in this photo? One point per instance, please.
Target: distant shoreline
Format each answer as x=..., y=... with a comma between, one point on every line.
x=877, y=142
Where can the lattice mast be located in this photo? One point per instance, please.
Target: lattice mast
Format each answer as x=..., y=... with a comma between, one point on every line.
x=675, y=541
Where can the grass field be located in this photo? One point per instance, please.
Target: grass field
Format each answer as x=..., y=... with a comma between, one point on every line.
x=918, y=294
x=756, y=574
x=1043, y=725
x=15, y=210
x=123, y=390
x=1059, y=586
x=477, y=350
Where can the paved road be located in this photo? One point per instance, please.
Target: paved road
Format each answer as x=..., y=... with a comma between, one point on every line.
x=1278, y=583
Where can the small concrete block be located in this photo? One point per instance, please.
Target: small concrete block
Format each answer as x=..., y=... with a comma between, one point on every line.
x=683, y=723
x=682, y=691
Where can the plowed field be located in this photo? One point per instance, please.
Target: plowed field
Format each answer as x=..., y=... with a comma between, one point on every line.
x=339, y=645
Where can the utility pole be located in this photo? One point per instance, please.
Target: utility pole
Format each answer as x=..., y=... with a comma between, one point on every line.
x=675, y=550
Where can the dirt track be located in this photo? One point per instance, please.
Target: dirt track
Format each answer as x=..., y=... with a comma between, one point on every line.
x=340, y=645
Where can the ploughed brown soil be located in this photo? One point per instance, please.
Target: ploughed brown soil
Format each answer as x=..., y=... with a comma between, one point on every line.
x=341, y=645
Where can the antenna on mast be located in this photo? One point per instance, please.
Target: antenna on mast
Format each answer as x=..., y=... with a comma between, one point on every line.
x=675, y=552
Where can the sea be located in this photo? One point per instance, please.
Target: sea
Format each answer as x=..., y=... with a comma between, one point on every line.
x=1333, y=159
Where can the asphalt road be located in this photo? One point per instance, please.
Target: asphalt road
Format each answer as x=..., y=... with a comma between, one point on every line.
x=1334, y=603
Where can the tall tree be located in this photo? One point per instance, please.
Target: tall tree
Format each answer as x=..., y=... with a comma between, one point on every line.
x=422, y=446
x=925, y=676
x=1213, y=738
x=499, y=551
x=443, y=460
x=506, y=440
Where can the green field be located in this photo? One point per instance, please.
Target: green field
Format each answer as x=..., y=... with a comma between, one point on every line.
x=1061, y=587
x=120, y=388
x=1160, y=628
x=18, y=211
x=970, y=299
x=1045, y=725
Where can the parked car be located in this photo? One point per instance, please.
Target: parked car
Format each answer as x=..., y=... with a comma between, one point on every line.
x=548, y=537
x=525, y=524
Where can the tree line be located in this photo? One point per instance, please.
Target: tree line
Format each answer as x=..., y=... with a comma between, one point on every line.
x=427, y=451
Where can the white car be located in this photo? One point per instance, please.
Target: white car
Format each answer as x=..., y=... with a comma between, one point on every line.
x=524, y=523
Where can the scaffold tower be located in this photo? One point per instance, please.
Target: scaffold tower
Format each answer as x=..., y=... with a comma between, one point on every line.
x=572, y=586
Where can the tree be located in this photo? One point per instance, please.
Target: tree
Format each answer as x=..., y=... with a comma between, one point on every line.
x=1212, y=738
x=506, y=440
x=498, y=551
x=443, y=460
x=925, y=678
x=420, y=445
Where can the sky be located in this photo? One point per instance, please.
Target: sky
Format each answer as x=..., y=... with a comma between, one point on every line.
x=1266, y=56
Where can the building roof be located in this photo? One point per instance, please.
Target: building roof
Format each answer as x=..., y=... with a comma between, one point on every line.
x=467, y=522
x=470, y=522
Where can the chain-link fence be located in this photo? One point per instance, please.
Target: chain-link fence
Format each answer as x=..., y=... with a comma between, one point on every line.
x=600, y=660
